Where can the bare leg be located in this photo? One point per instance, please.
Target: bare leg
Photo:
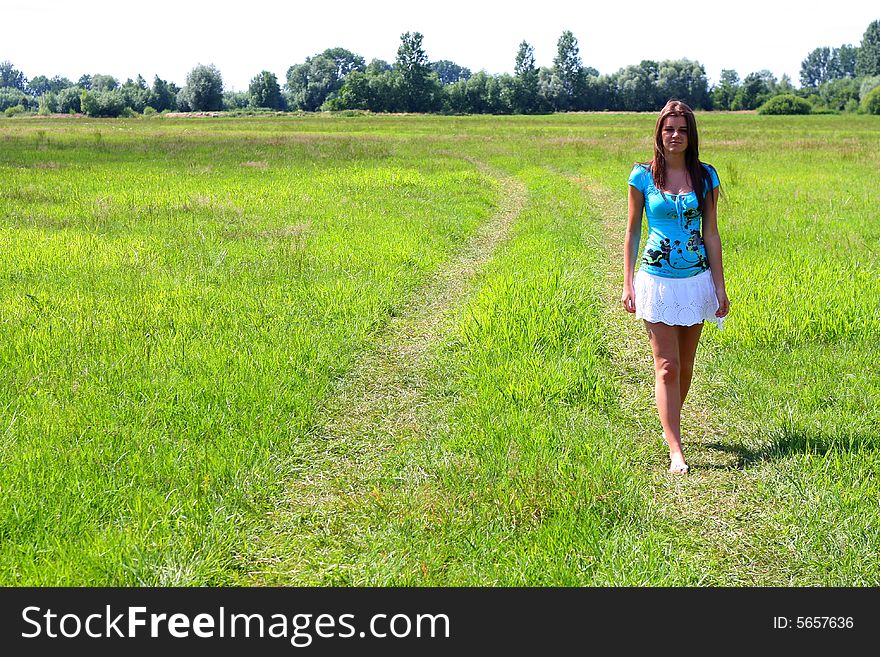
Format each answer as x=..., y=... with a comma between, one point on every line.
x=689, y=338
x=668, y=344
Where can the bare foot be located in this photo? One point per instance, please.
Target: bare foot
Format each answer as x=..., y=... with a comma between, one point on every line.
x=677, y=465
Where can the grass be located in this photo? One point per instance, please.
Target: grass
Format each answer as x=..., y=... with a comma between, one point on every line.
x=387, y=350
x=173, y=324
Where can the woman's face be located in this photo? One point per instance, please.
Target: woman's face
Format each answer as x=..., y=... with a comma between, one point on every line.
x=674, y=134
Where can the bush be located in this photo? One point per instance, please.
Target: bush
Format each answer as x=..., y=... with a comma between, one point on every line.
x=137, y=95
x=47, y=103
x=182, y=101
x=150, y=111
x=868, y=85
x=15, y=109
x=785, y=104
x=871, y=102
x=837, y=93
x=10, y=97
x=233, y=100
x=103, y=103
x=68, y=100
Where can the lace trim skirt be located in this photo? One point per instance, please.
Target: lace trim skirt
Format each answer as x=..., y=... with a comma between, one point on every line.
x=676, y=301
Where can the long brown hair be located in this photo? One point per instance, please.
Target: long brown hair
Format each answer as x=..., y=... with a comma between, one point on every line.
x=698, y=174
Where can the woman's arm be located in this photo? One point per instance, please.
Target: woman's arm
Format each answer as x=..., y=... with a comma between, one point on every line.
x=712, y=240
x=636, y=207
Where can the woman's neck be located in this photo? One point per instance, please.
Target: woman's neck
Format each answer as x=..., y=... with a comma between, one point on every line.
x=675, y=162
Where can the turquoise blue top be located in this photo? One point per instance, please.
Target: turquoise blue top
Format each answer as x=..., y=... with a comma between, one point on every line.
x=675, y=245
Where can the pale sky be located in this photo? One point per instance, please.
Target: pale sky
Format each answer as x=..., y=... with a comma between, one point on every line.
x=126, y=37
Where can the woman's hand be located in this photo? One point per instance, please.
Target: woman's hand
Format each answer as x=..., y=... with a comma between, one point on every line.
x=723, y=303
x=628, y=298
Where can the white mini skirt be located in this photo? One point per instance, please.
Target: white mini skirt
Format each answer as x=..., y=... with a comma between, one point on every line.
x=676, y=301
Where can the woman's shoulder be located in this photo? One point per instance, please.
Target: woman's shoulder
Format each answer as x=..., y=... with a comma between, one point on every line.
x=712, y=172
x=640, y=174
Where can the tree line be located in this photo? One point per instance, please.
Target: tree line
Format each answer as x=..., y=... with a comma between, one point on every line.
x=835, y=79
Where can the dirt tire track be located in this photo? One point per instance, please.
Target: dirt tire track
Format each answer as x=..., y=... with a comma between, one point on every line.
x=377, y=405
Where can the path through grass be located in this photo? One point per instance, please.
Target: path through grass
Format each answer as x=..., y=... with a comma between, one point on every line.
x=376, y=407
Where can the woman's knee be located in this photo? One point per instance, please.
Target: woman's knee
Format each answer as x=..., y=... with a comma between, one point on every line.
x=668, y=370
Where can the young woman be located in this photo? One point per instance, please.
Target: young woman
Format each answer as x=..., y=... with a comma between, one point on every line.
x=680, y=281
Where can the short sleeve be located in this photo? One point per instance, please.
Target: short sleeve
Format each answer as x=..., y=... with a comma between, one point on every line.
x=637, y=178
x=713, y=175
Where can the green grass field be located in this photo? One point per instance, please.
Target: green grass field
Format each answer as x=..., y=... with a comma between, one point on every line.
x=388, y=350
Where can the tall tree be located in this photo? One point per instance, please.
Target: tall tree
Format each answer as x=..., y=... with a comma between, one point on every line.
x=320, y=77
x=137, y=94
x=449, y=72
x=104, y=83
x=386, y=90
x=11, y=77
x=725, y=91
x=421, y=89
x=569, y=70
x=354, y=93
x=345, y=61
x=39, y=85
x=685, y=80
x=310, y=84
x=264, y=91
x=163, y=94
x=814, y=69
x=526, y=92
x=377, y=66
x=755, y=89
x=59, y=82
x=868, y=61
x=204, y=89
x=636, y=87
x=825, y=64
x=843, y=62
x=524, y=65
x=549, y=87
x=377, y=89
